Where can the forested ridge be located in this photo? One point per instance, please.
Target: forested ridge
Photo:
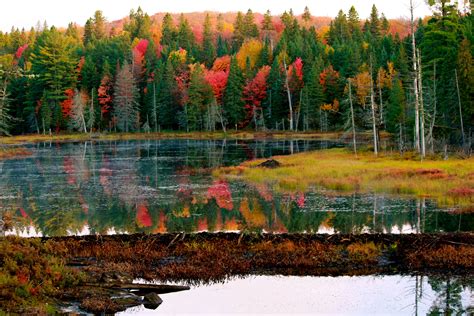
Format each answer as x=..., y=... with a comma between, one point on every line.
x=414, y=80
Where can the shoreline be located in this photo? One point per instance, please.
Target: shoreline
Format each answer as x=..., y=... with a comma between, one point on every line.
x=90, y=267
x=233, y=135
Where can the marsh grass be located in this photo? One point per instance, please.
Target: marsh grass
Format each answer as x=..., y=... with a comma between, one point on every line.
x=450, y=182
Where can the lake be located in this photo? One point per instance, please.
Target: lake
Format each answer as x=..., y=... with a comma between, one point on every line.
x=289, y=295
x=158, y=186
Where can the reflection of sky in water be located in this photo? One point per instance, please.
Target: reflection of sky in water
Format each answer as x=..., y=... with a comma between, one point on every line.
x=366, y=295
x=166, y=186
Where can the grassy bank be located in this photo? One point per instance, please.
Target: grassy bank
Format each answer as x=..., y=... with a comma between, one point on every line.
x=37, y=273
x=242, y=135
x=451, y=181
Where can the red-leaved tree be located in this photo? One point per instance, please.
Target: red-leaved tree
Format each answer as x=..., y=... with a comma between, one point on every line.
x=66, y=105
x=218, y=82
x=104, y=95
x=295, y=73
x=254, y=93
x=139, y=52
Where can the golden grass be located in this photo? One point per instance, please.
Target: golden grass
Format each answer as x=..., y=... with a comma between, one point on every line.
x=451, y=182
x=243, y=135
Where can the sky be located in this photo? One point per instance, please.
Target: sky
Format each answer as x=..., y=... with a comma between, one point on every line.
x=26, y=13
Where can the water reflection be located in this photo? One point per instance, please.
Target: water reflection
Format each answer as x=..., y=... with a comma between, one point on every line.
x=166, y=186
x=366, y=295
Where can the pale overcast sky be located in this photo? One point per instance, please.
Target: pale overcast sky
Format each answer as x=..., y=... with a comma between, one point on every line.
x=26, y=13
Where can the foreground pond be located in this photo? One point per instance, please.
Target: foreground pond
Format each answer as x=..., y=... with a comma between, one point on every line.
x=166, y=186
x=365, y=295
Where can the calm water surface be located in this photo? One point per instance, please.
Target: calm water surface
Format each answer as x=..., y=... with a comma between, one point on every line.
x=366, y=295
x=166, y=186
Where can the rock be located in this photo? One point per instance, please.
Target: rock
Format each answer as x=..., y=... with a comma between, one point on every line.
x=270, y=163
x=152, y=300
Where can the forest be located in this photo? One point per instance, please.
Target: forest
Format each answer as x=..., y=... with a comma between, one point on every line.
x=411, y=78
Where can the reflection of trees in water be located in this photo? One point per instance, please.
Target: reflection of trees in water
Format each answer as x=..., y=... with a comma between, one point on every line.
x=161, y=185
x=439, y=295
x=448, y=300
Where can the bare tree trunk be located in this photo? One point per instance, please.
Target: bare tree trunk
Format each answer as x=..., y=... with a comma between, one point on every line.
x=460, y=108
x=298, y=112
x=380, y=97
x=221, y=118
x=433, y=119
x=352, y=119
x=372, y=105
x=155, y=116
x=400, y=141
x=422, y=111
x=289, y=95
x=415, y=80
x=255, y=117
x=84, y=122
x=91, y=112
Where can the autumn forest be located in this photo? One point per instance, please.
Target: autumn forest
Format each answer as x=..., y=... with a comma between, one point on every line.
x=206, y=72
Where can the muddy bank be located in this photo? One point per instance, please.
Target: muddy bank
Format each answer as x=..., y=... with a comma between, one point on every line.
x=209, y=256
x=92, y=269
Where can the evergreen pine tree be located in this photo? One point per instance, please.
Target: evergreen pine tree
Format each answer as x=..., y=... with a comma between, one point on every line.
x=233, y=105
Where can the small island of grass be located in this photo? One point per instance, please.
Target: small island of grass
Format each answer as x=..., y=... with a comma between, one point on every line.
x=450, y=182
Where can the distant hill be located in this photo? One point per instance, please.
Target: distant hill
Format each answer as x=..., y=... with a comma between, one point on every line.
x=196, y=20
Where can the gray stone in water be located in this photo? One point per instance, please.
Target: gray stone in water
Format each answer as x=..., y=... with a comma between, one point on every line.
x=152, y=301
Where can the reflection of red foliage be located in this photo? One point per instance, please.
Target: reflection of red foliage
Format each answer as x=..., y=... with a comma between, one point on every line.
x=218, y=226
x=23, y=213
x=143, y=216
x=300, y=200
x=231, y=224
x=161, y=228
x=202, y=224
x=221, y=192
x=104, y=174
x=264, y=192
x=68, y=164
x=278, y=225
x=84, y=205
